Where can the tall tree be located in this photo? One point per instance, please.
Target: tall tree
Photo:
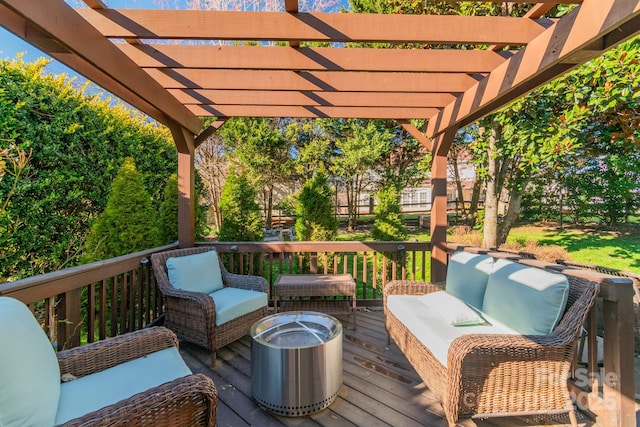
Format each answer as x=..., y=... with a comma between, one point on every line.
x=360, y=146
x=128, y=224
x=212, y=164
x=259, y=145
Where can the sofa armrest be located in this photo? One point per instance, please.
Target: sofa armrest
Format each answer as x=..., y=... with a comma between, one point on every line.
x=101, y=355
x=245, y=281
x=190, y=400
x=408, y=287
x=482, y=367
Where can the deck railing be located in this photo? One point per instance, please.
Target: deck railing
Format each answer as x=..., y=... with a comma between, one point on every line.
x=106, y=298
x=372, y=264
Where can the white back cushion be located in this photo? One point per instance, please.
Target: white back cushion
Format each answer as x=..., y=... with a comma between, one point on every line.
x=29, y=371
x=467, y=276
x=527, y=299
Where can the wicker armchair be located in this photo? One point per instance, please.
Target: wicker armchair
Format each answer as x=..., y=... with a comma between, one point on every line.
x=498, y=375
x=192, y=315
x=138, y=378
x=186, y=401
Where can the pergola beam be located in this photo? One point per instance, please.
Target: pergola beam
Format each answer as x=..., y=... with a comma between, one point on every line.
x=210, y=130
x=320, y=27
x=77, y=44
x=311, y=98
x=311, y=112
x=419, y=136
x=176, y=56
x=563, y=46
x=332, y=81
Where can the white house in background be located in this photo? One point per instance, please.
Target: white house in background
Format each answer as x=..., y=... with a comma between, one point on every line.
x=418, y=199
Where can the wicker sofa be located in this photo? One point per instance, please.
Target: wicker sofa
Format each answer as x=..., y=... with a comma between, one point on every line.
x=134, y=379
x=195, y=316
x=502, y=362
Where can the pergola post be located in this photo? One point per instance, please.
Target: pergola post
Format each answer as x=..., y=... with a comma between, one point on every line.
x=439, y=220
x=185, y=142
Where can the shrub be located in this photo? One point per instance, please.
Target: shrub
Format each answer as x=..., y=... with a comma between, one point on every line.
x=128, y=224
x=548, y=253
x=388, y=224
x=465, y=235
x=241, y=219
x=315, y=219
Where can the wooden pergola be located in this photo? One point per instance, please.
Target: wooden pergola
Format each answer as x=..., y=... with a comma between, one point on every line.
x=166, y=64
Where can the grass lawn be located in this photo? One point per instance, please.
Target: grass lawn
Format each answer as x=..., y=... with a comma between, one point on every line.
x=614, y=247
x=617, y=247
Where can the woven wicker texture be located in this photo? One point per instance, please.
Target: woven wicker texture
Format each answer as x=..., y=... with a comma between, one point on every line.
x=498, y=375
x=186, y=401
x=326, y=293
x=192, y=315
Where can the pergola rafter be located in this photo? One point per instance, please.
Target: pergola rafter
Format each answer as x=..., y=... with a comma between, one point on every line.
x=174, y=65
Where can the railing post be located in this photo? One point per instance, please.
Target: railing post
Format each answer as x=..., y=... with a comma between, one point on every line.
x=619, y=370
x=69, y=319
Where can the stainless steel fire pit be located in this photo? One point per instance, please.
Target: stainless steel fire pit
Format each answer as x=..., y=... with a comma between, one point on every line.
x=296, y=362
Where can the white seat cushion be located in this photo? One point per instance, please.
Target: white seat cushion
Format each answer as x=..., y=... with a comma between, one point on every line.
x=232, y=303
x=95, y=391
x=434, y=331
x=452, y=309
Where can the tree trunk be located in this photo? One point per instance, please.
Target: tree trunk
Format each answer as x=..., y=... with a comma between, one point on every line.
x=493, y=193
x=475, y=201
x=269, y=206
x=350, y=206
x=456, y=175
x=510, y=218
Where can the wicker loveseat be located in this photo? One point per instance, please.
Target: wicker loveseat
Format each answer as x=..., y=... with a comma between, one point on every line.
x=487, y=367
x=195, y=316
x=134, y=379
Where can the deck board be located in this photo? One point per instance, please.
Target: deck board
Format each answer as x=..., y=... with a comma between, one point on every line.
x=380, y=388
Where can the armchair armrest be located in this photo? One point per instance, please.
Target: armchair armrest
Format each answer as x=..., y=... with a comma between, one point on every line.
x=248, y=282
x=190, y=400
x=101, y=355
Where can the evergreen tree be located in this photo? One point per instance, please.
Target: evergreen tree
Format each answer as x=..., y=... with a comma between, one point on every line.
x=168, y=218
x=241, y=219
x=315, y=219
x=128, y=223
x=388, y=224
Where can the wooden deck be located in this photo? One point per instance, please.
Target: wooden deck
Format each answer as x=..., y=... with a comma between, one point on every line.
x=380, y=387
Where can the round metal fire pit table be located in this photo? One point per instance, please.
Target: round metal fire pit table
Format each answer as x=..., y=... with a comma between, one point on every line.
x=296, y=362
